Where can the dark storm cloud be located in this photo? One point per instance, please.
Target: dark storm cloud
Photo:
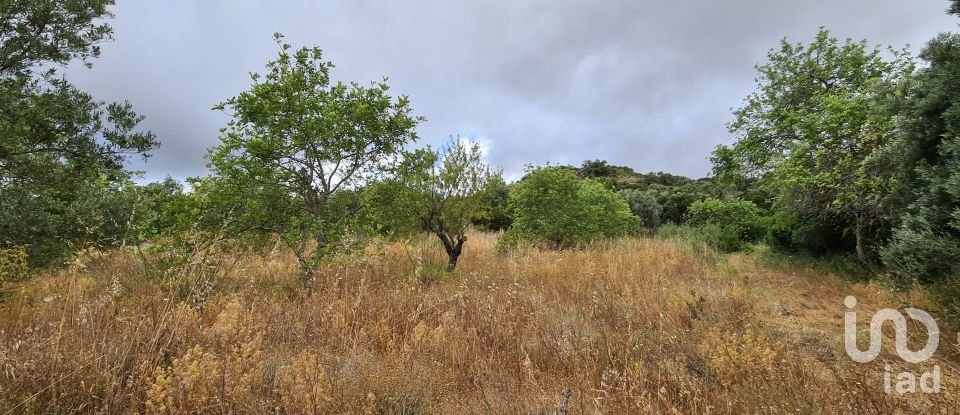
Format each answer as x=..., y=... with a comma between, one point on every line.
x=648, y=84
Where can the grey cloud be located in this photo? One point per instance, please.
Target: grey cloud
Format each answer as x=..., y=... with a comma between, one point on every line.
x=648, y=84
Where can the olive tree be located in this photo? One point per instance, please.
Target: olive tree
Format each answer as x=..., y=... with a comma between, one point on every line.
x=441, y=192
x=644, y=205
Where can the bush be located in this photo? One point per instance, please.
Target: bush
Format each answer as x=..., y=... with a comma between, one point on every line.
x=551, y=205
x=735, y=217
x=722, y=238
x=644, y=205
x=13, y=264
x=496, y=215
x=917, y=251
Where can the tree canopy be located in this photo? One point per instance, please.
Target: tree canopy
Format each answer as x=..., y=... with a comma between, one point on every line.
x=925, y=157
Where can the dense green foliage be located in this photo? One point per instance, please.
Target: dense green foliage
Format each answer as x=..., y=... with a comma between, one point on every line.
x=62, y=152
x=495, y=215
x=727, y=224
x=925, y=155
x=644, y=205
x=551, y=205
x=740, y=215
x=811, y=129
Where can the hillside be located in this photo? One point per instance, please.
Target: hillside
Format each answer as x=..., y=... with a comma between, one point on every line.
x=635, y=326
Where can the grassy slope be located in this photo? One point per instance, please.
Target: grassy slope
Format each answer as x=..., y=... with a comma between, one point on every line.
x=642, y=326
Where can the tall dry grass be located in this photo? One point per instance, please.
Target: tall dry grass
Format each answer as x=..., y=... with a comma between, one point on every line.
x=637, y=326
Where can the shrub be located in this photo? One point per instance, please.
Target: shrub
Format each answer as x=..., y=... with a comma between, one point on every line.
x=496, y=215
x=919, y=251
x=737, y=217
x=644, y=205
x=13, y=264
x=551, y=205
x=722, y=238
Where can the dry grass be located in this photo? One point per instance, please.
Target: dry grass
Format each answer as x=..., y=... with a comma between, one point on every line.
x=640, y=326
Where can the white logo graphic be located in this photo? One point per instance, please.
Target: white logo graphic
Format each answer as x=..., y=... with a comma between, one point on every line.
x=876, y=334
x=906, y=381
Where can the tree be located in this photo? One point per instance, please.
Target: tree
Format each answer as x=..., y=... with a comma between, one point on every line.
x=443, y=192
x=925, y=155
x=35, y=33
x=297, y=149
x=675, y=200
x=811, y=130
x=552, y=205
x=596, y=168
x=644, y=205
x=165, y=204
x=57, y=142
x=495, y=215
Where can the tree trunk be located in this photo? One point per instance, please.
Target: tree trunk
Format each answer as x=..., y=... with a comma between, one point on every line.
x=861, y=252
x=454, y=249
x=309, y=276
x=452, y=263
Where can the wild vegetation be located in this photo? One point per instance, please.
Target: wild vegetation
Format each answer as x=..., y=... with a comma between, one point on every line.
x=327, y=265
x=629, y=326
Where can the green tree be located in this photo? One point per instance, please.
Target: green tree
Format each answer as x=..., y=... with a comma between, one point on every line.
x=552, y=205
x=811, y=130
x=496, y=215
x=644, y=205
x=925, y=154
x=442, y=191
x=596, y=168
x=297, y=149
x=35, y=33
x=675, y=201
x=164, y=203
x=740, y=216
x=57, y=143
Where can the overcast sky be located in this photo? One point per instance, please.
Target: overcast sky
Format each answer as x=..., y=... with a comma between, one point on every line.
x=641, y=83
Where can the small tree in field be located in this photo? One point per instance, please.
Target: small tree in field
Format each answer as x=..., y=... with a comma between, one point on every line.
x=441, y=192
x=552, y=205
x=297, y=148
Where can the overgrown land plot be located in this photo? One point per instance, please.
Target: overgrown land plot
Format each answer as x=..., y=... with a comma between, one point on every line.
x=637, y=325
x=327, y=260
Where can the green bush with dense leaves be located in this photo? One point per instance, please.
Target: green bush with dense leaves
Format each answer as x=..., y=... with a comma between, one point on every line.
x=644, y=205
x=918, y=251
x=13, y=265
x=742, y=217
x=552, y=206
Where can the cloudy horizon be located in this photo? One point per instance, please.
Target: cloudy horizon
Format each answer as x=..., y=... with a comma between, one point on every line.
x=644, y=84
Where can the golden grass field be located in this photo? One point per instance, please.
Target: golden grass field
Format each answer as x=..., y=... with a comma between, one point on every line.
x=634, y=326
